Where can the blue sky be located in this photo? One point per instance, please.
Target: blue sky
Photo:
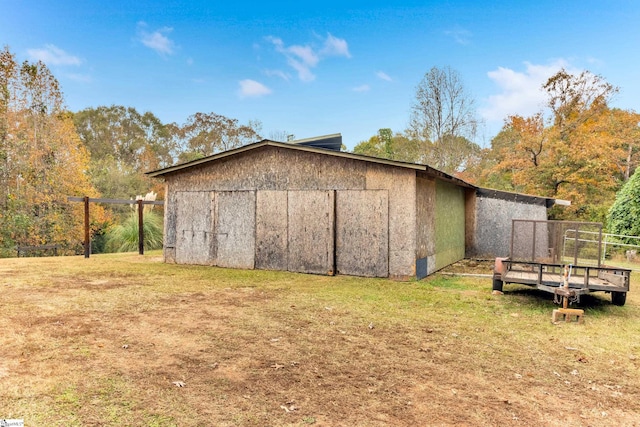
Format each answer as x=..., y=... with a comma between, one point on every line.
x=314, y=69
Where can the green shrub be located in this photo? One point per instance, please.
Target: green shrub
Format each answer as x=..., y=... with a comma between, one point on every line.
x=624, y=215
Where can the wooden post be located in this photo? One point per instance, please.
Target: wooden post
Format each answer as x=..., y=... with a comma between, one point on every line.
x=87, y=234
x=140, y=228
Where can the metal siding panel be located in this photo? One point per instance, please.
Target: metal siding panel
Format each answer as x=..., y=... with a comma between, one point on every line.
x=271, y=230
x=362, y=233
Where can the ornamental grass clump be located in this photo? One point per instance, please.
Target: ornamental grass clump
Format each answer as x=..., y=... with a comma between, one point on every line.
x=124, y=237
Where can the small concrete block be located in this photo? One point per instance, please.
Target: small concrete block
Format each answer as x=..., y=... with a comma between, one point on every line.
x=567, y=313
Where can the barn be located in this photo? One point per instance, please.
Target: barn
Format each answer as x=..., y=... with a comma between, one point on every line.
x=307, y=207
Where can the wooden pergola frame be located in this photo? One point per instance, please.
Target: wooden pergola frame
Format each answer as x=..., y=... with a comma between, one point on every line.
x=87, y=234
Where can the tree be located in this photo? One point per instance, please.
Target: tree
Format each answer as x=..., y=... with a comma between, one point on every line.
x=281, y=136
x=388, y=145
x=42, y=159
x=582, y=153
x=205, y=134
x=443, y=113
x=623, y=217
x=573, y=99
x=623, y=130
x=124, y=144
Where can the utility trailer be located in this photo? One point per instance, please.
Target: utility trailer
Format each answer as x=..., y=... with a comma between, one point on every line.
x=562, y=258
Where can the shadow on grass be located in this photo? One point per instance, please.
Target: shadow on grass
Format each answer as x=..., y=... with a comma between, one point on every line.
x=599, y=302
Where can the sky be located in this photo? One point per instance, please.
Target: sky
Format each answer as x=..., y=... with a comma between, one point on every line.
x=316, y=68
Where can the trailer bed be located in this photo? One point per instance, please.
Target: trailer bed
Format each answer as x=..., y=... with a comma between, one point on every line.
x=549, y=277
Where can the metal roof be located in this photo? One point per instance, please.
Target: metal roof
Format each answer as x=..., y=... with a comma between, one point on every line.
x=329, y=142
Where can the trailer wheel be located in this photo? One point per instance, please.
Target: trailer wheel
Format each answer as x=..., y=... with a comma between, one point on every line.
x=618, y=298
x=497, y=285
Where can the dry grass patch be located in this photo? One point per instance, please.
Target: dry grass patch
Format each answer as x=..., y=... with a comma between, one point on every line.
x=128, y=340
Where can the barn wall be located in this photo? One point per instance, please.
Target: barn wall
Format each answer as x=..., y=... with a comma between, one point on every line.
x=169, y=238
x=234, y=228
x=425, y=225
x=470, y=221
x=273, y=169
x=362, y=235
x=195, y=243
x=311, y=231
x=450, y=224
x=493, y=224
x=272, y=230
x=401, y=185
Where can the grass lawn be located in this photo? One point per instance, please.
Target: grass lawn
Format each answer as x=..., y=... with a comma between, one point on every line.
x=123, y=339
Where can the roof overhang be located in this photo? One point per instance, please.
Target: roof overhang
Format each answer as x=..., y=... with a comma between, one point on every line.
x=267, y=143
x=521, y=198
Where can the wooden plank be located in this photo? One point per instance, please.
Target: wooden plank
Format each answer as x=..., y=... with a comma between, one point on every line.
x=615, y=279
x=271, y=230
x=194, y=239
x=362, y=233
x=235, y=225
x=311, y=231
x=116, y=201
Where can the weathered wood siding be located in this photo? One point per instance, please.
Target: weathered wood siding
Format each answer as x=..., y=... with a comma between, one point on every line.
x=450, y=224
x=170, y=225
x=235, y=225
x=426, y=222
x=194, y=242
x=311, y=231
x=401, y=186
x=285, y=230
x=493, y=224
x=272, y=230
x=362, y=232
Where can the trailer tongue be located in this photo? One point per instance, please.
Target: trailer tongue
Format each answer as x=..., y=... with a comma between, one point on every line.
x=541, y=250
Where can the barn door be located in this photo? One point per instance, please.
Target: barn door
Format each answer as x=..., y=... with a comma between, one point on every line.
x=235, y=228
x=194, y=240
x=311, y=231
x=362, y=233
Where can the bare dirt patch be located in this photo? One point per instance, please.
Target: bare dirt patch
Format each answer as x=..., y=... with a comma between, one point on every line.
x=150, y=344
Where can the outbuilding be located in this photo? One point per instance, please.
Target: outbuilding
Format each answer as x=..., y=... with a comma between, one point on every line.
x=305, y=207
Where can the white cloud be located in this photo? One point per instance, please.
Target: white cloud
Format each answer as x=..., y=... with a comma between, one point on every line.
x=334, y=46
x=362, y=88
x=53, y=55
x=460, y=35
x=278, y=73
x=520, y=92
x=384, y=76
x=303, y=58
x=156, y=40
x=252, y=89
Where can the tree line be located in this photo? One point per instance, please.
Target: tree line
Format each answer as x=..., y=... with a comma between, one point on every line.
x=582, y=150
x=48, y=153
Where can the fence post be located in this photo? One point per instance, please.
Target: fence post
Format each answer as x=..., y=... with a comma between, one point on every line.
x=87, y=234
x=140, y=227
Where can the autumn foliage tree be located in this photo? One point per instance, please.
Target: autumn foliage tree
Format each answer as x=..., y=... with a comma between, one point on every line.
x=583, y=153
x=124, y=144
x=42, y=159
x=205, y=134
